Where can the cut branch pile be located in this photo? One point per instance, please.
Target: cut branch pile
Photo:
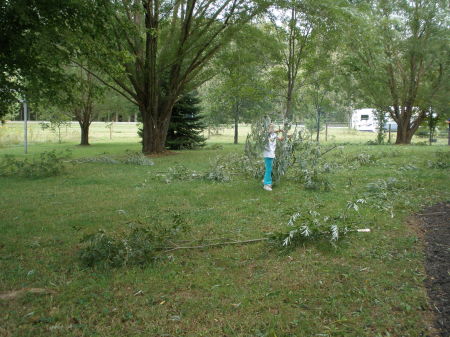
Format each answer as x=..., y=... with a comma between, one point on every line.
x=144, y=244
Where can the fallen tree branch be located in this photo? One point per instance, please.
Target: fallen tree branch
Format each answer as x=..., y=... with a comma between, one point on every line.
x=217, y=244
x=367, y=230
x=322, y=154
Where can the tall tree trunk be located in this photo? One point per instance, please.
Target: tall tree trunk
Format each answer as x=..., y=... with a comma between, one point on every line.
x=288, y=112
x=407, y=124
x=154, y=128
x=404, y=132
x=236, y=123
x=318, y=125
x=84, y=132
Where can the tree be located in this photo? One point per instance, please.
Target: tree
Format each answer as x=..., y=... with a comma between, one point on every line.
x=240, y=89
x=86, y=92
x=321, y=88
x=294, y=28
x=56, y=121
x=399, y=56
x=186, y=124
x=297, y=23
x=76, y=99
x=116, y=107
x=157, y=50
x=34, y=42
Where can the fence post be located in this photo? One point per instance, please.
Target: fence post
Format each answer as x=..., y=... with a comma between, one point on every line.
x=25, y=125
x=326, y=131
x=389, y=140
x=448, y=122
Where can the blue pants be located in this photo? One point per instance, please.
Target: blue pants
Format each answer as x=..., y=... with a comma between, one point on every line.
x=268, y=173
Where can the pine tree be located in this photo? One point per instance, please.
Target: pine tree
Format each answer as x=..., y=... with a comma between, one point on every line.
x=186, y=124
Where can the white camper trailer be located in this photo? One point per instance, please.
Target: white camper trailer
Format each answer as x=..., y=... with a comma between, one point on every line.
x=366, y=120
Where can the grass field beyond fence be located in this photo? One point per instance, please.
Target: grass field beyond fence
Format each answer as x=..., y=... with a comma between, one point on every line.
x=12, y=133
x=371, y=284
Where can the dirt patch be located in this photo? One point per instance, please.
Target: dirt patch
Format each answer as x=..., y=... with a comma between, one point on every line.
x=434, y=222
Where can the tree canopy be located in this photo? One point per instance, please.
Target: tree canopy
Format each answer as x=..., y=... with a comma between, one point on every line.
x=246, y=58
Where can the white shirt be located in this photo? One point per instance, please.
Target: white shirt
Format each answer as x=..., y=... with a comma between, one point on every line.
x=269, y=150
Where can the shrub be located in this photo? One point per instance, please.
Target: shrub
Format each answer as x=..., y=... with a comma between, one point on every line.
x=442, y=161
x=139, y=245
x=47, y=164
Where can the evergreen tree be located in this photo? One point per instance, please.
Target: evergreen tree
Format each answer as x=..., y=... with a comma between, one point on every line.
x=186, y=124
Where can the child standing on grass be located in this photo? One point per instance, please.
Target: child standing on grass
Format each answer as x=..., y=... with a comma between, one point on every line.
x=269, y=155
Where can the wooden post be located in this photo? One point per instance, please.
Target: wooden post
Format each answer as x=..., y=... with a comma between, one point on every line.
x=448, y=122
x=326, y=131
x=389, y=140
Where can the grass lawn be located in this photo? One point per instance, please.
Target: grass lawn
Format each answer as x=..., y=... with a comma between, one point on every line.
x=370, y=285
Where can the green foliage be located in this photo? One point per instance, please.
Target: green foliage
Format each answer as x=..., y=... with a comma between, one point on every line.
x=384, y=194
x=137, y=158
x=186, y=124
x=313, y=179
x=257, y=138
x=311, y=123
x=392, y=40
x=381, y=120
x=98, y=159
x=284, y=153
x=364, y=159
x=310, y=169
x=57, y=122
x=294, y=153
x=179, y=173
x=138, y=245
x=240, y=90
x=442, y=160
x=47, y=164
x=220, y=170
x=131, y=157
x=37, y=40
x=309, y=226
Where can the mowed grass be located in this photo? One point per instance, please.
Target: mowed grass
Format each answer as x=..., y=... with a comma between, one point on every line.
x=370, y=285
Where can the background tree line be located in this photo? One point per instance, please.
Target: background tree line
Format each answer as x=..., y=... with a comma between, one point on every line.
x=294, y=59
